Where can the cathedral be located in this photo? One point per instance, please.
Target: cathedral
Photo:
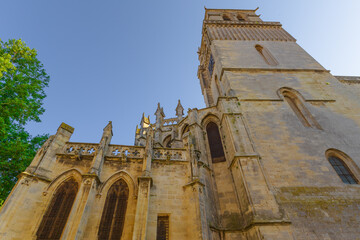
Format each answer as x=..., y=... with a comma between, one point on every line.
x=274, y=155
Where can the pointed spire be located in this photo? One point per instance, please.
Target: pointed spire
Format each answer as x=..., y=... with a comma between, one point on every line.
x=108, y=128
x=145, y=121
x=159, y=111
x=179, y=111
x=159, y=115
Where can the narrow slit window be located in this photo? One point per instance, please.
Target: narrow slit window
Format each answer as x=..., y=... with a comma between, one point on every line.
x=55, y=218
x=162, y=232
x=215, y=144
x=113, y=216
x=300, y=109
x=342, y=170
x=266, y=55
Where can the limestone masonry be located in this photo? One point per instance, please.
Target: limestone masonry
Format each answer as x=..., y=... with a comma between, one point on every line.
x=274, y=155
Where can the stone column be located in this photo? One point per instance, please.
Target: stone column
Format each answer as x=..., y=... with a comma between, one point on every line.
x=81, y=208
x=256, y=200
x=145, y=181
x=79, y=215
x=142, y=208
x=197, y=159
x=98, y=160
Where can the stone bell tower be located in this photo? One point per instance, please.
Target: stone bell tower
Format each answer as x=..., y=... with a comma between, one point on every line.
x=282, y=120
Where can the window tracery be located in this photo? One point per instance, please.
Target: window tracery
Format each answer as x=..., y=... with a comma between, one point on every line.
x=55, y=218
x=113, y=216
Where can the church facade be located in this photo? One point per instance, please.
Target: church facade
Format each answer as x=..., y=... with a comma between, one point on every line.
x=274, y=155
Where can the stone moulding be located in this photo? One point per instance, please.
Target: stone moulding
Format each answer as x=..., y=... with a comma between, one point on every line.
x=250, y=33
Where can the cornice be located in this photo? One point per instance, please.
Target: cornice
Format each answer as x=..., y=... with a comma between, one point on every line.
x=238, y=23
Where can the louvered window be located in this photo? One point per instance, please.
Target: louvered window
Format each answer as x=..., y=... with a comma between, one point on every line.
x=162, y=228
x=113, y=216
x=342, y=170
x=54, y=220
x=216, y=147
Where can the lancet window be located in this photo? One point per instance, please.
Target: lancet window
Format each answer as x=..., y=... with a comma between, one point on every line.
x=162, y=232
x=113, y=216
x=215, y=144
x=299, y=108
x=55, y=218
x=266, y=55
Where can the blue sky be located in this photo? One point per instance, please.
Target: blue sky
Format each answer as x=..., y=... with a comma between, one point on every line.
x=114, y=60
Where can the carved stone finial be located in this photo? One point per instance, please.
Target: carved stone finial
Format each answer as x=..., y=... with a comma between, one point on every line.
x=145, y=121
x=159, y=115
x=108, y=128
x=179, y=110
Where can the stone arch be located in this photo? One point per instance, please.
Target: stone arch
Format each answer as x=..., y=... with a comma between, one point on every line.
x=210, y=117
x=211, y=126
x=131, y=202
x=352, y=167
x=184, y=129
x=167, y=141
x=56, y=182
x=115, y=177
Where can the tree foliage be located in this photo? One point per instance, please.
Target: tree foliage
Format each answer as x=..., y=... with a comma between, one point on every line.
x=22, y=83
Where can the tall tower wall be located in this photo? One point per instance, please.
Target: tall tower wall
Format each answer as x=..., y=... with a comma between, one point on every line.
x=296, y=115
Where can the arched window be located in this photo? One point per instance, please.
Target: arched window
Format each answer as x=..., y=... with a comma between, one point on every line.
x=54, y=220
x=240, y=18
x=113, y=216
x=266, y=55
x=226, y=18
x=344, y=166
x=303, y=114
x=215, y=144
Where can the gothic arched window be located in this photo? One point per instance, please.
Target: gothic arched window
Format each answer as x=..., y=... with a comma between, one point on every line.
x=266, y=55
x=299, y=108
x=54, y=220
x=113, y=216
x=342, y=170
x=215, y=144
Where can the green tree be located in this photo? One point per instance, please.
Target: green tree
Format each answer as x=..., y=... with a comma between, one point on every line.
x=22, y=83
